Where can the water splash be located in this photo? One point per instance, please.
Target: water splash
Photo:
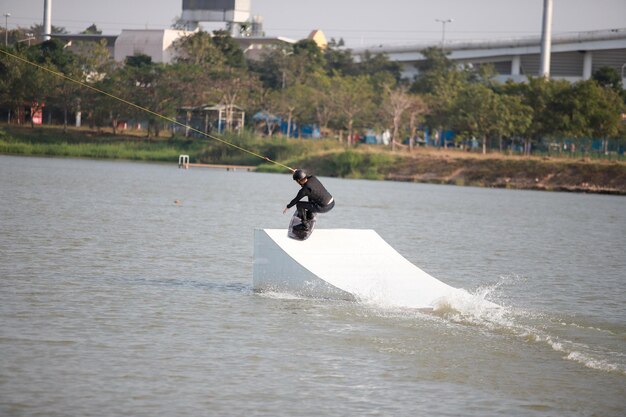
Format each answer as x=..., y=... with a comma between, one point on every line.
x=278, y=295
x=484, y=307
x=476, y=308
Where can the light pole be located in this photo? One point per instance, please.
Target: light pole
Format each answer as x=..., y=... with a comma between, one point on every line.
x=6, y=28
x=29, y=37
x=443, y=29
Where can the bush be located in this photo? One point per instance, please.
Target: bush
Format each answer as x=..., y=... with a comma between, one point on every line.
x=348, y=163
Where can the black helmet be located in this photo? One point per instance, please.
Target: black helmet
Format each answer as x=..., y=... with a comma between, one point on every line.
x=298, y=175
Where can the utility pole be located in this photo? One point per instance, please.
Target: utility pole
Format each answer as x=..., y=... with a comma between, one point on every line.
x=546, y=39
x=6, y=28
x=443, y=29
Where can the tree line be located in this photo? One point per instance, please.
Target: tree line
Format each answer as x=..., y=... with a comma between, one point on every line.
x=304, y=84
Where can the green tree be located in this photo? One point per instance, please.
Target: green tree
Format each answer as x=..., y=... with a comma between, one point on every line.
x=234, y=87
x=68, y=93
x=97, y=64
x=92, y=30
x=307, y=59
x=13, y=82
x=149, y=86
x=39, y=85
x=482, y=74
x=339, y=60
x=590, y=110
x=476, y=112
x=138, y=61
x=432, y=70
x=513, y=118
x=542, y=96
x=441, y=82
x=232, y=53
x=609, y=77
x=378, y=65
x=273, y=68
x=353, y=98
x=309, y=52
x=61, y=92
x=105, y=110
x=321, y=99
x=192, y=84
x=294, y=104
x=199, y=49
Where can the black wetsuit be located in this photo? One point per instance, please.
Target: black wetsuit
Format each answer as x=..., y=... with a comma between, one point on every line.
x=320, y=200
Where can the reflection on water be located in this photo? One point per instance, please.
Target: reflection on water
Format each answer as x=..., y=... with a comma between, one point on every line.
x=116, y=300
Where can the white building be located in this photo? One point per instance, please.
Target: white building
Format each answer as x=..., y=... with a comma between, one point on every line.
x=156, y=43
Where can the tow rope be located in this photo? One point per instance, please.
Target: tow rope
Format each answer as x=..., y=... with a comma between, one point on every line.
x=169, y=119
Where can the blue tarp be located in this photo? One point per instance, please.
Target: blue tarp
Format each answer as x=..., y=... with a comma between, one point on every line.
x=308, y=131
x=446, y=138
x=265, y=117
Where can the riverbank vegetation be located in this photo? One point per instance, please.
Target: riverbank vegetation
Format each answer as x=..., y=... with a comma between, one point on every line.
x=300, y=85
x=558, y=172
x=438, y=122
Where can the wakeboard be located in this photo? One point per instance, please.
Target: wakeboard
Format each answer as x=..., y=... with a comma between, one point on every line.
x=300, y=234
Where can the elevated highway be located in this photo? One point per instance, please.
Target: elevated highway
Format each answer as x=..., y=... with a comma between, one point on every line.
x=574, y=57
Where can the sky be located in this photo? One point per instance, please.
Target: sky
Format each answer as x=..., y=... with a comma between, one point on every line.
x=360, y=23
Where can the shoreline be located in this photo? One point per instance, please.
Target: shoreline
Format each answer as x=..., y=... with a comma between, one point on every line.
x=455, y=167
x=458, y=179
x=523, y=173
x=561, y=173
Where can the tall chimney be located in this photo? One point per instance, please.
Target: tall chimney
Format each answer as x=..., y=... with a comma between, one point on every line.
x=546, y=39
x=47, y=19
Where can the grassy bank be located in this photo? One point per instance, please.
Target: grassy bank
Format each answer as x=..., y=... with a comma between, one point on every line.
x=86, y=144
x=330, y=158
x=81, y=143
x=461, y=168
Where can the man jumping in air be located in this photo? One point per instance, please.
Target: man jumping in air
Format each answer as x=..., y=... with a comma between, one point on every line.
x=320, y=200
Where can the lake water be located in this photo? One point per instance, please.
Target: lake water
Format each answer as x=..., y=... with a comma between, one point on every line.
x=116, y=301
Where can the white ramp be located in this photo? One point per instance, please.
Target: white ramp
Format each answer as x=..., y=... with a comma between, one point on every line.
x=343, y=264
